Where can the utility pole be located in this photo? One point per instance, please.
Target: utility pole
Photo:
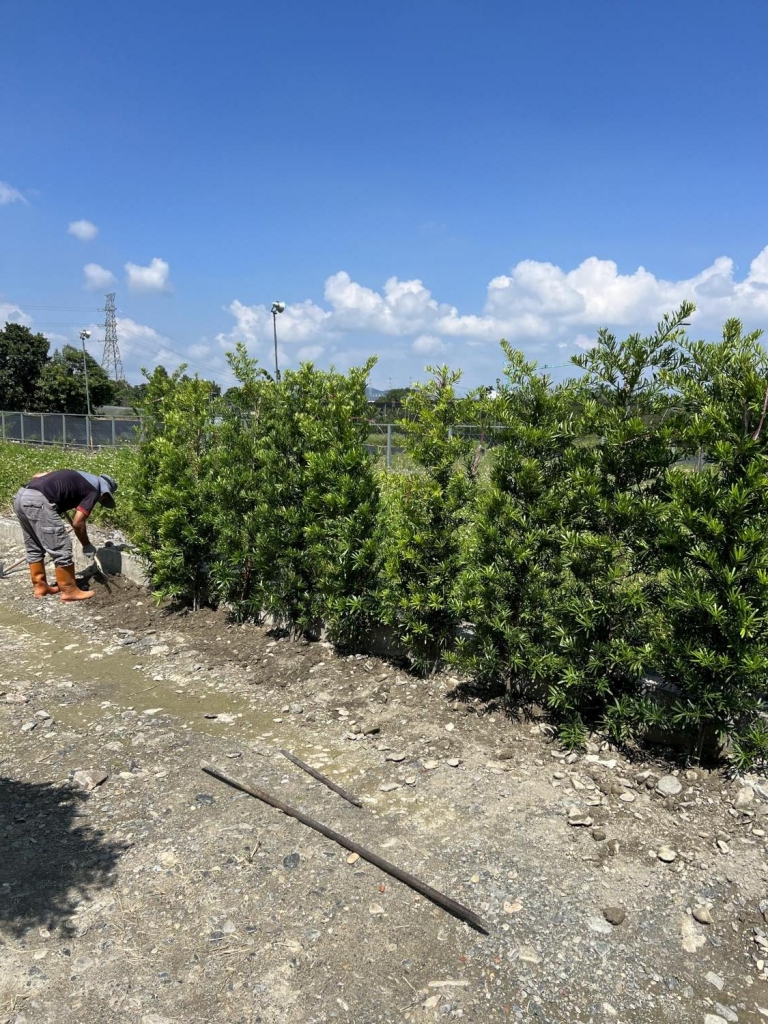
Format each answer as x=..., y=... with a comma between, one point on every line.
x=277, y=307
x=84, y=336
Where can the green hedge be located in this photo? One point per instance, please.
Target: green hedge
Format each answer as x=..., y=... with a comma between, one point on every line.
x=615, y=527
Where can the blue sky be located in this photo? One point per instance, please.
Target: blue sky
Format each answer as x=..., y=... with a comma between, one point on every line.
x=413, y=179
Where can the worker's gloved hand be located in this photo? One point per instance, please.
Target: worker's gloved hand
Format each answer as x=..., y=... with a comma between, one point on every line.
x=89, y=550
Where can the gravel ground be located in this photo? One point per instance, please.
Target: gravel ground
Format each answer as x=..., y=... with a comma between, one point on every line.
x=135, y=888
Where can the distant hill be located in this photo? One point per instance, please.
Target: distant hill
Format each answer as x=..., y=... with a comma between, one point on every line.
x=373, y=393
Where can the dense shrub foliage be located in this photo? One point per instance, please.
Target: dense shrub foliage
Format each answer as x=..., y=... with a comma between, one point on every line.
x=596, y=545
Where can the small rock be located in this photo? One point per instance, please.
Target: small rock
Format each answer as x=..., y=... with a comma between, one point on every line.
x=628, y=798
x=389, y=787
x=430, y=765
x=450, y=727
x=353, y=858
x=296, y=709
x=204, y=798
x=667, y=854
x=376, y=910
x=505, y=754
x=395, y=757
x=702, y=915
x=669, y=785
x=727, y=1013
x=28, y=726
x=229, y=927
x=614, y=915
x=577, y=817
x=744, y=798
x=598, y=835
x=291, y=861
x=512, y=908
x=713, y=1018
x=89, y=780
x=722, y=846
x=599, y=925
x=714, y=979
x=410, y=780
x=42, y=715
x=371, y=729
x=453, y=762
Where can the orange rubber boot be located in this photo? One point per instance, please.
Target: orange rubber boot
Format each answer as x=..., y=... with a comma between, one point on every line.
x=40, y=581
x=65, y=577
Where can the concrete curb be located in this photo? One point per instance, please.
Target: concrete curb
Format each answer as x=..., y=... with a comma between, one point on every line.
x=115, y=560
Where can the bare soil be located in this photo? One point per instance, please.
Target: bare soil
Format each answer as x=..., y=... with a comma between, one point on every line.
x=162, y=896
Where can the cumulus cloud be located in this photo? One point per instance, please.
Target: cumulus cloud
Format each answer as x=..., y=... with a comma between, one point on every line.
x=98, y=278
x=9, y=194
x=428, y=344
x=153, y=278
x=537, y=305
x=309, y=353
x=85, y=230
x=13, y=314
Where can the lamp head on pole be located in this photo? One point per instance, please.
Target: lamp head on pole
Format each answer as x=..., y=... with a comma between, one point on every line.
x=85, y=335
x=277, y=307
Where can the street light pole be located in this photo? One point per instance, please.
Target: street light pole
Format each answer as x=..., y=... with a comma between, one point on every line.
x=84, y=335
x=277, y=307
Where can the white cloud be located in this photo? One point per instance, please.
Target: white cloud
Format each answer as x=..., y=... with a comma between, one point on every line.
x=427, y=344
x=9, y=194
x=97, y=278
x=309, y=354
x=153, y=278
x=538, y=306
x=85, y=230
x=13, y=314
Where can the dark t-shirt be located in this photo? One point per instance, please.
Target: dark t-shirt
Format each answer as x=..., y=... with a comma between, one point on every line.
x=66, y=489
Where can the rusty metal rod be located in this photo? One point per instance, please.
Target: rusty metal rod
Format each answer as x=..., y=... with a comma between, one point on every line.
x=322, y=778
x=445, y=902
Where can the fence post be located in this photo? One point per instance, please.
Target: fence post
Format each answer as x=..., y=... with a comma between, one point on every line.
x=114, y=442
x=88, y=435
x=42, y=429
x=3, y=416
x=63, y=430
x=389, y=446
x=21, y=425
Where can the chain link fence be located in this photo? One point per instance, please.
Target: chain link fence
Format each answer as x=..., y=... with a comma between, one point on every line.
x=68, y=429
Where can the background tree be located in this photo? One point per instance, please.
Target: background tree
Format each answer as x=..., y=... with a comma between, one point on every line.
x=61, y=386
x=22, y=358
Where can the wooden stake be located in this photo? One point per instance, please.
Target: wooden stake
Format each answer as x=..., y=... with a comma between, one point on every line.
x=322, y=778
x=445, y=902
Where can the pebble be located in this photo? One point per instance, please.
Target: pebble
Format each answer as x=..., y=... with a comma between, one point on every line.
x=395, y=757
x=410, y=780
x=726, y=1013
x=431, y=765
x=453, y=762
x=296, y=709
x=722, y=846
x=450, y=727
x=628, y=798
x=376, y=910
x=89, y=780
x=229, y=927
x=291, y=861
x=702, y=915
x=714, y=979
x=353, y=858
x=669, y=785
x=371, y=729
x=614, y=915
x=599, y=925
x=28, y=726
x=713, y=1018
x=389, y=787
x=43, y=715
x=667, y=854
x=744, y=798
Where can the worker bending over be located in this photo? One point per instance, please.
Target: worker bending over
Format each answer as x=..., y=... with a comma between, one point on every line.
x=40, y=506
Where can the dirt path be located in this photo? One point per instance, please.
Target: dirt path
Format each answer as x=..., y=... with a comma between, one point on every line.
x=163, y=897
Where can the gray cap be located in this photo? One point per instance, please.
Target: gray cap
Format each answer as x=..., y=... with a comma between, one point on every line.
x=107, y=489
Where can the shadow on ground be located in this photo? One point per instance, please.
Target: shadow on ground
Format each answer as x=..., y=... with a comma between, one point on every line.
x=48, y=859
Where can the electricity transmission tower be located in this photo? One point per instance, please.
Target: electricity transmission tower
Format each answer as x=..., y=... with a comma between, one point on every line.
x=111, y=360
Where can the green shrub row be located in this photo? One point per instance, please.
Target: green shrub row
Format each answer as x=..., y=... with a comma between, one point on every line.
x=611, y=536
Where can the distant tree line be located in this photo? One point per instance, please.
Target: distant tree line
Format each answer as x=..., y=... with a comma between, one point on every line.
x=34, y=379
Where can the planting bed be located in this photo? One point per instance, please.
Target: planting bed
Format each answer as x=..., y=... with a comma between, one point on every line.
x=160, y=896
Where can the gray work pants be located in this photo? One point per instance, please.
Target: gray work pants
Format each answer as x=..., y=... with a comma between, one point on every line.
x=44, y=529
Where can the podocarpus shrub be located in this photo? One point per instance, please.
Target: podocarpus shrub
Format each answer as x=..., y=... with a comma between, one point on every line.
x=300, y=499
x=424, y=515
x=712, y=636
x=172, y=487
x=560, y=585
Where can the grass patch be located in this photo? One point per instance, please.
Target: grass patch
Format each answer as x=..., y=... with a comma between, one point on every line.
x=20, y=462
